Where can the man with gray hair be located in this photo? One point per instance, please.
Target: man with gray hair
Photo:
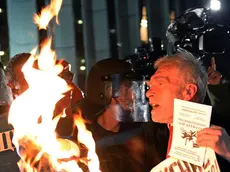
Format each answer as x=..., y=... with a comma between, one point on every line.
x=179, y=76
x=182, y=76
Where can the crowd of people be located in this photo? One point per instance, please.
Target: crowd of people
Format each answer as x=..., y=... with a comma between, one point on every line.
x=129, y=137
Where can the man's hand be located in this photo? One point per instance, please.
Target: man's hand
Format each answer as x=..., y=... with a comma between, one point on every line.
x=216, y=138
x=214, y=77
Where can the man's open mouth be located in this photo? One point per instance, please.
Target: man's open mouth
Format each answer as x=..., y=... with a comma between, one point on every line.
x=154, y=106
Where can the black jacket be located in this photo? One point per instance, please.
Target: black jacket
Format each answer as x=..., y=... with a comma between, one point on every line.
x=137, y=147
x=153, y=138
x=8, y=154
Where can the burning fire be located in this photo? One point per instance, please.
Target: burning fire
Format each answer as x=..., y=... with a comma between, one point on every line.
x=47, y=14
x=31, y=114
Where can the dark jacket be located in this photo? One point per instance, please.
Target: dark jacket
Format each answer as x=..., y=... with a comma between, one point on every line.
x=8, y=154
x=137, y=147
x=123, y=156
x=219, y=96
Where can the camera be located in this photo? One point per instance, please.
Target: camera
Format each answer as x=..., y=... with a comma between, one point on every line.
x=144, y=57
x=201, y=32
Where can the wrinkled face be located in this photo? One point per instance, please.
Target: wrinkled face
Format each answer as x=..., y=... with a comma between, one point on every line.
x=125, y=95
x=165, y=85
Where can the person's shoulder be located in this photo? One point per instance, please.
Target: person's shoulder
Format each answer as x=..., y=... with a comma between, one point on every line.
x=155, y=133
x=153, y=126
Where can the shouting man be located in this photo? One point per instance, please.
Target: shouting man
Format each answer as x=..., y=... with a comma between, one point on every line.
x=183, y=77
x=180, y=76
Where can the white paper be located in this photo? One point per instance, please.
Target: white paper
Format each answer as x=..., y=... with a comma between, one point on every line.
x=175, y=165
x=188, y=119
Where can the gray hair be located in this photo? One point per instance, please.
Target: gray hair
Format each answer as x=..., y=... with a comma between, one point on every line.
x=192, y=70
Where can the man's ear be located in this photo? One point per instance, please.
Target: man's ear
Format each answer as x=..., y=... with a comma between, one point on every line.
x=189, y=92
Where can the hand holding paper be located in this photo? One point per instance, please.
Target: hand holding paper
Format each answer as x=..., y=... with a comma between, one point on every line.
x=185, y=153
x=216, y=138
x=188, y=119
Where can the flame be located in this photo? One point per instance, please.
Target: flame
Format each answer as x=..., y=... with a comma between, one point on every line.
x=47, y=14
x=85, y=137
x=31, y=114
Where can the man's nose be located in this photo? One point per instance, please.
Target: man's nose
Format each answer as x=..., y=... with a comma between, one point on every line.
x=148, y=93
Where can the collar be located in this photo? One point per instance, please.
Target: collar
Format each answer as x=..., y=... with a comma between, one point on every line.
x=170, y=125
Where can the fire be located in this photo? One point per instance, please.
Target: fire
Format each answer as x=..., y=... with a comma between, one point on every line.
x=31, y=115
x=85, y=136
x=47, y=14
